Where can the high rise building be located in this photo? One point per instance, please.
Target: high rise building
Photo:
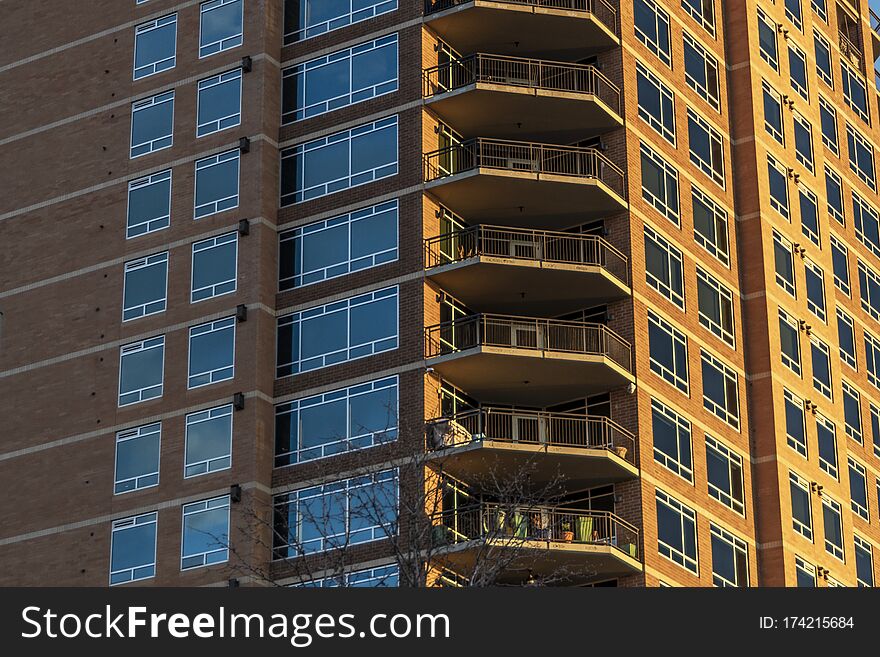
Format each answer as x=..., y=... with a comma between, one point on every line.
x=447, y=292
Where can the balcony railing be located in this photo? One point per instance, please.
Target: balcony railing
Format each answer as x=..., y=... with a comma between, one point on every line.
x=530, y=428
x=850, y=50
x=575, y=161
x=515, y=526
x=602, y=10
x=520, y=72
x=527, y=333
x=525, y=244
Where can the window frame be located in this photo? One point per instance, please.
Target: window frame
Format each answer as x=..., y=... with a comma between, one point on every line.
x=716, y=141
x=158, y=143
x=226, y=43
x=212, y=126
x=793, y=402
x=155, y=224
x=225, y=373
x=725, y=297
x=191, y=469
x=150, y=476
x=718, y=248
x=124, y=524
x=671, y=185
x=686, y=515
x=154, y=306
x=202, y=246
x=734, y=461
x=193, y=509
x=672, y=254
x=224, y=203
x=729, y=376
x=816, y=344
x=138, y=347
x=164, y=64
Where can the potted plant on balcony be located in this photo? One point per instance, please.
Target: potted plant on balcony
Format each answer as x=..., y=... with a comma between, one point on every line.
x=566, y=534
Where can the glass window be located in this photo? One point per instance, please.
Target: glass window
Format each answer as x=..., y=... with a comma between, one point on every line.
x=858, y=489
x=219, y=103
x=205, y=538
x=725, y=475
x=872, y=359
x=222, y=26
x=827, y=440
x=821, y=356
x=133, y=549
x=141, y=369
x=840, y=262
x=797, y=69
x=710, y=225
x=304, y=19
x=715, y=303
x=861, y=156
x=339, y=246
x=855, y=91
x=652, y=29
x=211, y=352
x=730, y=558
x=805, y=572
x=801, y=506
x=867, y=224
x=820, y=8
x=217, y=183
x=340, y=161
x=803, y=141
x=773, y=113
x=789, y=342
x=784, y=263
x=137, y=458
x=702, y=11
x=145, y=286
x=660, y=184
x=822, y=50
x=833, y=527
x=334, y=515
x=794, y=14
x=656, y=103
x=852, y=412
x=155, y=46
x=152, y=124
x=677, y=532
x=864, y=562
x=382, y=577
x=149, y=204
x=336, y=422
x=337, y=332
x=809, y=215
x=875, y=437
x=767, y=40
x=208, y=441
x=778, y=181
x=795, y=423
x=663, y=267
x=828, y=119
x=701, y=71
x=340, y=79
x=214, y=267
x=869, y=289
x=671, y=434
x=706, y=148
x=720, y=389
x=668, y=347
x=846, y=338
x=834, y=194
x=815, y=284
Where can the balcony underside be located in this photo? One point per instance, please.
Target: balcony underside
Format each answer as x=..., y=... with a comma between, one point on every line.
x=529, y=377
x=508, y=111
x=556, y=561
x=575, y=468
x=525, y=199
x=522, y=30
x=533, y=287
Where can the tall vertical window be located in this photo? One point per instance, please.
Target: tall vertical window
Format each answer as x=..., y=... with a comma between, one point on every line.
x=797, y=69
x=828, y=122
x=337, y=332
x=137, y=458
x=724, y=469
x=869, y=289
x=852, y=412
x=668, y=352
x=304, y=19
x=214, y=267
x=133, y=549
x=820, y=8
x=715, y=302
x=855, y=91
x=205, y=539
x=340, y=79
x=149, y=204
x=152, y=124
x=340, y=161
x=701, y=71
x=211, y=352
x=789, y=342
x=702, y=11
x=660, y=184
x=803, y=141
x=840, y=262
x=767, y=43
x=720, y=389
x=875, y=437
x=663, y=267
x=858, y=489
x=872, y=359
x=219, y=104
x=652, y=29
x=773, y=123
x=822, y=51
x=155, y=46
x=867, y=224
x=784, y=263
x=710, y=225
x=208, y=442
x=221, y=26
x=778, y=181
x=821, y=356
x=846, y=338
x=335, y=422
x=141, y=370
x=145, y=286
x=338, y=246
x=217, y=183
x=861, y=156
x=795, y=423
x=706, y=147
x=864, y=562
x=834, y=194
x=815, y=284
x=677, y=532
x=809, y=215
x=794, y=13
x=805, y=573
x=671, y=434
x=827, y=440
x=833, y=520
x=801, y=506
x=656, y=103
x=730, y=558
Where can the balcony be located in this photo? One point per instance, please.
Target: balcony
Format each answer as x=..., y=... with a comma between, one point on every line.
x=565, y=449
x=528, y=361
x=543, y=273
x=549, y=101
x=551, y=542
x=564, y=29
x=522, y=184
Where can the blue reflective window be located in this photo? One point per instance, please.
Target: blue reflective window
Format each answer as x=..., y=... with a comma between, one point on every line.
x=208, y=441
x=212, y=352
x=221, y=26
x=146, y=286
x=217, y=183
x=809, y=215
x=152, y=124
x=304, y=19
x=855, y=91
x=861, y=156
x=155, y=46
x=137, y=458
x=671, y=435
x=149, y=204
x=219, y=103
x=338, y=246
x=214, y=267
x=141, y=369
x=205, y=538
x=867, y=224
x=652, y=28
x=133, y=549
x=676, y=531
